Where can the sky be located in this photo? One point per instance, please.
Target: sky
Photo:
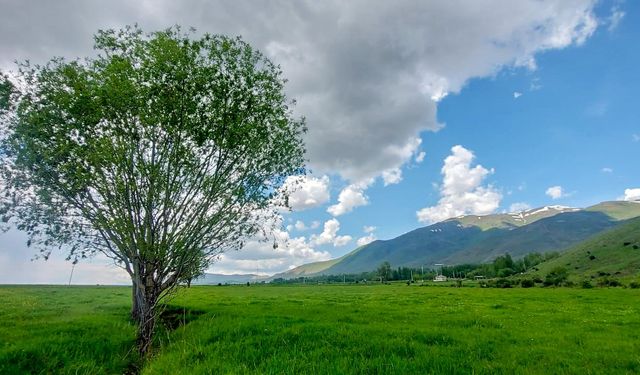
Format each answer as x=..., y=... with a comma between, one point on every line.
x=417, y=111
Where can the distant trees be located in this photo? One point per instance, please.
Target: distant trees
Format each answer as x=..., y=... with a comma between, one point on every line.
x=384, y=271
x=556, y=276
x=162, y=152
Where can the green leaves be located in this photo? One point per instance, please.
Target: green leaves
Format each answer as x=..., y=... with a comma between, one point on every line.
x=161, y=152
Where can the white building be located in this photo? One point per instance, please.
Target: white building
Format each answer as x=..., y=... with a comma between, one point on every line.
x=440, y=278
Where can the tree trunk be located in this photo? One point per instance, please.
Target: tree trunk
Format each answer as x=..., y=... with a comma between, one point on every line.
x=145, y=299
x=135, y=305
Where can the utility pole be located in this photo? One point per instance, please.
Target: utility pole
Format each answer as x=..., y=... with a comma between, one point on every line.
x=70, y=276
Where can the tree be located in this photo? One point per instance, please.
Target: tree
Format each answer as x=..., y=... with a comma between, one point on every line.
x=384, y=271
x=162, y=153
x=556, y=276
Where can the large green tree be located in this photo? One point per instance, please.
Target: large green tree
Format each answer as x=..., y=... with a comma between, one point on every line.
x=161, y=152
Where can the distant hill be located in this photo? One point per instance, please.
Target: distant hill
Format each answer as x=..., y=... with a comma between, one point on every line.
x=217, y=278
x=615, y=253
x=478, y=239
x=309, y=269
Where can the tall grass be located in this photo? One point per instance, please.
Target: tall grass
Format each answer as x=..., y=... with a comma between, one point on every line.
x=372, y=329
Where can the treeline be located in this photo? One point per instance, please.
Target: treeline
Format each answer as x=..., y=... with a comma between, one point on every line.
x=502, y=266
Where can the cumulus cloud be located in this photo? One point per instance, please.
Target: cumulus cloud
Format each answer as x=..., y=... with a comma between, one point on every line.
x=350, y=197
x=631, y=194
x=306, y=192
x=607, y=170
x=420, y=157
x=462, y=192
x=260, y=255
x=367, y=75
x=299, y=225
x=368, y=229
x=330, y=235
x=556, y=192
x=516, y=94
x=370, y=236
x=519, y=207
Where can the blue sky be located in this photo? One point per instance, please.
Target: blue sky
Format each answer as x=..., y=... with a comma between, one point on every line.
x=573, y=124
x=535, y=95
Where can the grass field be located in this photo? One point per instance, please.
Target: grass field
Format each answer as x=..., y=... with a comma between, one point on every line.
x=372, y=329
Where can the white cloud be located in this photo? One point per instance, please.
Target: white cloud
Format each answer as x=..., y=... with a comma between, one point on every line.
x=615, y=18
x=462, y=191
x=392, y=176
x=631, y=194
x=350, y=197
x=607, y=170
x=519, y=207
x=420, y=157
x=330, y=235
x=315, y=224
x=299, y=225
x=367, y=75
x=370, y=237
x=259, y=254
x=556, y=192
x=306, y=192
x=366, y=239
x=516, y=94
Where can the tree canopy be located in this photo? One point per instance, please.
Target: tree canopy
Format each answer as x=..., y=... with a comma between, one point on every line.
x=162, y=152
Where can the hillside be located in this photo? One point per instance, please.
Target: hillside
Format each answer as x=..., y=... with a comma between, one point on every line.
x=217, y=278
x=613, y=253
x=478, y=239
x=307, y=269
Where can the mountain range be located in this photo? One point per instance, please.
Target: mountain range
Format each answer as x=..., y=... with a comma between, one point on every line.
x=480, y=239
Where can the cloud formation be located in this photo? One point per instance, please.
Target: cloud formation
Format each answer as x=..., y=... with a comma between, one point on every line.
x=367, y=75
x=370, y=236
x=462, y=192
x=306, y=192
x=350, y=197
x=556, y=192
x=259, y=254
x=330, y=235
x=631, y=194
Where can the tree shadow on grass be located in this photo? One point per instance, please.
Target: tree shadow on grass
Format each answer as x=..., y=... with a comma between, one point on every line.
x=173, y=317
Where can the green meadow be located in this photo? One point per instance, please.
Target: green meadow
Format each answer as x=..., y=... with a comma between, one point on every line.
x=325, y=329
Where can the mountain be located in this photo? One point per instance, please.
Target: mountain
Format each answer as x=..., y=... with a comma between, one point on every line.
x=217, y=278
x=309, y=269
x=478, y=239
x=615, y=253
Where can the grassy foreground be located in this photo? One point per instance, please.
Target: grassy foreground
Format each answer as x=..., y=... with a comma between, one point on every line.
x=325, y=330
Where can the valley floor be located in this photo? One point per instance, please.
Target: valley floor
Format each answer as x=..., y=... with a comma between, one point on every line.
x=353, y=329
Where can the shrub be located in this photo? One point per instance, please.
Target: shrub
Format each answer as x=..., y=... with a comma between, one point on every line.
x=586, y=284
x=527, y=283
x=503, y=283
x=592, y=257
x=634, y=285
x=556, y=277
x=605, y=281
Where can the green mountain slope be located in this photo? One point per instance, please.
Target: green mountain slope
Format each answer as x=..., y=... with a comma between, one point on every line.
x=613, y=253
x=307, y=269
x=477, y=239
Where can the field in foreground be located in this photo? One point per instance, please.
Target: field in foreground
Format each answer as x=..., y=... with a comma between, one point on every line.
x=325, y=330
